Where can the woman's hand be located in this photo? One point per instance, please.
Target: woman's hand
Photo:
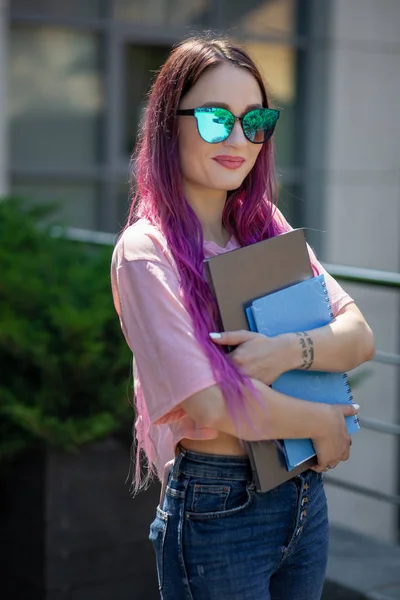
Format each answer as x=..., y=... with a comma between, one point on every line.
x=333, y=444
x=260, y=357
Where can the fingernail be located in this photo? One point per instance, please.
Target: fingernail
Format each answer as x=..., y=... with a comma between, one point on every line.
x=356, y=406
x=215, y=336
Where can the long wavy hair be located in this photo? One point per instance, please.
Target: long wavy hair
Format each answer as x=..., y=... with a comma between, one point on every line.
x=157, y=196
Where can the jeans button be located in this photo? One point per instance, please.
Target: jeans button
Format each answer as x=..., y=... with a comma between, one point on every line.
x=300, y=529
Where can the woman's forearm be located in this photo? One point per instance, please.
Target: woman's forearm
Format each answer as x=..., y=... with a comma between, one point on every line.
x=340, y=346
x=275, y=416
x=272, y=416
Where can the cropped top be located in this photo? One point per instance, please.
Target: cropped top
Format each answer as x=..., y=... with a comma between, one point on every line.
x=169, y=363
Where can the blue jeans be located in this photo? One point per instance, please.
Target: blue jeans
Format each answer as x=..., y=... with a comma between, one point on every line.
x=216, y=538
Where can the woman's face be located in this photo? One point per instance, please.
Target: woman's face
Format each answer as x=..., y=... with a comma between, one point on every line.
x=201, y=163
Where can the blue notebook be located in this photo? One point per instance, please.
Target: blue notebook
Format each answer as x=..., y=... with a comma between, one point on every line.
x=301, y=307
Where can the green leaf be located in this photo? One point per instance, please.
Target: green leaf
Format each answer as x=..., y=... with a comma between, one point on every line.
x=65, y=363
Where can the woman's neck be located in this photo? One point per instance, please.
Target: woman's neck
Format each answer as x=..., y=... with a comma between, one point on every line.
x=208, y=206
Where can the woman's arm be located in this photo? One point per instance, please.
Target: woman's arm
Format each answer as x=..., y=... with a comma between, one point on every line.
x=276, y=416
x=340, y=346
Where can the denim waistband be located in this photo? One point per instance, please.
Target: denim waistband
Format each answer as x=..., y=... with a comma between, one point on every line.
x=219, y=466
x=213, y=466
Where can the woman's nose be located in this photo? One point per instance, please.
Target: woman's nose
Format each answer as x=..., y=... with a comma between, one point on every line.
x=237, y=137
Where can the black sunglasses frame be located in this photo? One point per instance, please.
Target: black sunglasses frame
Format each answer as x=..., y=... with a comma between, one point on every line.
x=191, y=112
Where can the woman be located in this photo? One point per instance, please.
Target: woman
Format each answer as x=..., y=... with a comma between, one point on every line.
x=204, y=177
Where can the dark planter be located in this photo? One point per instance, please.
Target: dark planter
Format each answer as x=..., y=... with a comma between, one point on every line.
x=70, y=529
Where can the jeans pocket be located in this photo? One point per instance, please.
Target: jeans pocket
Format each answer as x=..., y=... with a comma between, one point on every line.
x=158, y=530
x=209, y=498
x=214, y=499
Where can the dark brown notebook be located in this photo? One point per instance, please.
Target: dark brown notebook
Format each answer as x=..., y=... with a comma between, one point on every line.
x=237, y=278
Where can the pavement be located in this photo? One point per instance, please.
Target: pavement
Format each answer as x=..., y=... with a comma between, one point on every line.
x=361, y=568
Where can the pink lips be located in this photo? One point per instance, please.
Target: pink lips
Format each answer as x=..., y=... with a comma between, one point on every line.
x=229, y=162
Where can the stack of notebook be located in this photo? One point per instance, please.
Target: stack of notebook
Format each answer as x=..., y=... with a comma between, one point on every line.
x=301, y=307
x=269, y=287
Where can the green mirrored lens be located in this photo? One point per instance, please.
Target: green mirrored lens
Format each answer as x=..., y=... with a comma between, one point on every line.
x=259, y=124
x=214, y=124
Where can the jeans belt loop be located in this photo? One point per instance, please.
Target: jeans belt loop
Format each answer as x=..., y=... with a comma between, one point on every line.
x=179, y=456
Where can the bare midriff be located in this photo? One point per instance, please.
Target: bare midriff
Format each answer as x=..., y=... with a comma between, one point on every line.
x=224, y=444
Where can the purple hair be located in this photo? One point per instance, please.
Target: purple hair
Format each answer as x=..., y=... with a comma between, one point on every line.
x=158, y=197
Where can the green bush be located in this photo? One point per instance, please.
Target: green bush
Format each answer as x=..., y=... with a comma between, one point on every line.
x=64, y=375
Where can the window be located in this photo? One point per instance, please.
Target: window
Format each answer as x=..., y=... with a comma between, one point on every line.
x=55, y=98
x=255, y=18
x=59, y=8
x=165, y=12
x=142, y=62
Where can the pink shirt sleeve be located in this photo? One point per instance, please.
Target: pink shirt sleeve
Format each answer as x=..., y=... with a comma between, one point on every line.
x=337, y=295
x=169, y=361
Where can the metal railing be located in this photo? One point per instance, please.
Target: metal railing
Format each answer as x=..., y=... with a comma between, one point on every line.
x=371, y=277
x=383, y=279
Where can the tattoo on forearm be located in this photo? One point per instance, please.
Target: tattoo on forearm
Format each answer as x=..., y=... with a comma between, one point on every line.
x=307, y=349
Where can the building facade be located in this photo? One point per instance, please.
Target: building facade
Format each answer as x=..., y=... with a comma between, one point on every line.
x=73, y=78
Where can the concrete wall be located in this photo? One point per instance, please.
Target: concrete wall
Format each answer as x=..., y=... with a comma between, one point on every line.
x=362, y=223
x=3, y=112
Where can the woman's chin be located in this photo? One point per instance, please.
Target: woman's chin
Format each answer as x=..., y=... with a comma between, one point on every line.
x=227, y=184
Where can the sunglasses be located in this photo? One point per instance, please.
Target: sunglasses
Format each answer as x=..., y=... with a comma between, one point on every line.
x=215, y=124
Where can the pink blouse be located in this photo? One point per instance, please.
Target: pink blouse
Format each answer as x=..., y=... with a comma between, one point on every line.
x=169, y=364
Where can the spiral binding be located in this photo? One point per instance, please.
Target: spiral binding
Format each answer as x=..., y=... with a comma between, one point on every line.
x=345, y=376
x=327, y=299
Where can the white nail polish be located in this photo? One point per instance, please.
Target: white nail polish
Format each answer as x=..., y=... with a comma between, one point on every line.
x=215, y=336
x=356, y=406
